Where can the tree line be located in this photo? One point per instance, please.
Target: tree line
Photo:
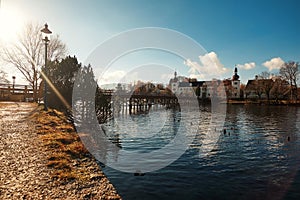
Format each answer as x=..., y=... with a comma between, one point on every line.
x=28, y=56
x=284, y=85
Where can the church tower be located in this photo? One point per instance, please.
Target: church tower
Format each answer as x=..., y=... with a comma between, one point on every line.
x=174, y=83
x=236, y=84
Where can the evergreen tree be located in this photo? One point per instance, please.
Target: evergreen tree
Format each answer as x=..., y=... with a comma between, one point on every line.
x=61, y=76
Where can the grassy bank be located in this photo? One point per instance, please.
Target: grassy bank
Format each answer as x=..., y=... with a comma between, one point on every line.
x=63, y=143
x=68, y=159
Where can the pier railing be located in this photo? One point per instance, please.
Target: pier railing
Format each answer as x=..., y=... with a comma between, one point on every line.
x=15, y=92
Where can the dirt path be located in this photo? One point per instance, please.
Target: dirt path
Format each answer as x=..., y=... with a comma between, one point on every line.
x=23, y=170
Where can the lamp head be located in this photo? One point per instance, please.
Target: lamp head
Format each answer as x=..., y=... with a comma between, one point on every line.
x=46, y=40
x=46, y=30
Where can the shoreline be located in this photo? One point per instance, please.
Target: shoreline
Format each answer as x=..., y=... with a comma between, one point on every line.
x=42, y=157
x=263, y=102
x=69, y=159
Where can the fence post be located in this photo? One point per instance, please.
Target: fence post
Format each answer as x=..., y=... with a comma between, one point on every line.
x=25, y=92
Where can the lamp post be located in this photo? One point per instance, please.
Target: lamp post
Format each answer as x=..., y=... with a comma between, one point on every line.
x=46, y=31
x=14, y=81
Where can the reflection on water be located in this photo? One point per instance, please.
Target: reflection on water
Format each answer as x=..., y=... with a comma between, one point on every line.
x=257, y=158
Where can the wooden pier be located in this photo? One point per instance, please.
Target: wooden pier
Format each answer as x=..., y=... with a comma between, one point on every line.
x=132, y=103
x=142, y=103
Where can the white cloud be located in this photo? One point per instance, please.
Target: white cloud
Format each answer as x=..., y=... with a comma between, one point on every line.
x=247, y=66
x=194, y=66
x=208, y=66
x=111, y=77
x=274, y=63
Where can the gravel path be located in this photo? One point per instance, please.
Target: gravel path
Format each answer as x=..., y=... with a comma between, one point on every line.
x=23, y=170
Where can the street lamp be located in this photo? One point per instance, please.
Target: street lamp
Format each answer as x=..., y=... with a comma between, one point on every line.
x=14, y=81
x=46, y=31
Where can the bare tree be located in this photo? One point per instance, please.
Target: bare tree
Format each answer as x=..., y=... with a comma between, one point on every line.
x=3, y=78
x=265, y=75
x=266, y=83
x=28, y=53
x=290, y=72
x=258, y=88
x=280, y=88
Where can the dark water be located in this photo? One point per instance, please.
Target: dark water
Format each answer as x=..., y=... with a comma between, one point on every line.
x=257, y=158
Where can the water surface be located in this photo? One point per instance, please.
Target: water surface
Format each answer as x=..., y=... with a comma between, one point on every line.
x=257, y=158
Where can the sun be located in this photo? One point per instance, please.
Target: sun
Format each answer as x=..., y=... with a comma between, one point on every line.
x=10, y=24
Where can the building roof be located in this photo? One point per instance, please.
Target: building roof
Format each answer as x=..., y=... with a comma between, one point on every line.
x=252, y=84
x=197, y=83
x=184, y=84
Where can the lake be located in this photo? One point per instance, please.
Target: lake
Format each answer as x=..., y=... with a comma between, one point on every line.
x=257, y=158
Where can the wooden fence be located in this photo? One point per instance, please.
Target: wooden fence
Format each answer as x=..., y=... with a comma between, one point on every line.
x=11, y=92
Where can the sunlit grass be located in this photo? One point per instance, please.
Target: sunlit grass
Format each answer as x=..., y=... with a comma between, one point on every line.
x=60, y=164
x=76, y=150
x=64, y=144
x=2, y=105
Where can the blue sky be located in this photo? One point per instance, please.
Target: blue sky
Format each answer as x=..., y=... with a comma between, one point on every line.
x=237, y=32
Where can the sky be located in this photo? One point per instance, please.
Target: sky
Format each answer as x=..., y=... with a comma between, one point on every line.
x=253, y=35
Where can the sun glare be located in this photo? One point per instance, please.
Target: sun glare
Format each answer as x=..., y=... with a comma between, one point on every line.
x=10, y=24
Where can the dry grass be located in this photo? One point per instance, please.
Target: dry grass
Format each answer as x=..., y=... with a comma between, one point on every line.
x=62, y=164
x=65, y=147
x=76, y=150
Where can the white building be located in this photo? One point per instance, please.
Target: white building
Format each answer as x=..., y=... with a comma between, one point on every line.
x=174, y=83
x=236, y=85
x=181, y=86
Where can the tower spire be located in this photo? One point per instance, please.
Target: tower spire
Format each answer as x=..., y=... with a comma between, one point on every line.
x=235, y=77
